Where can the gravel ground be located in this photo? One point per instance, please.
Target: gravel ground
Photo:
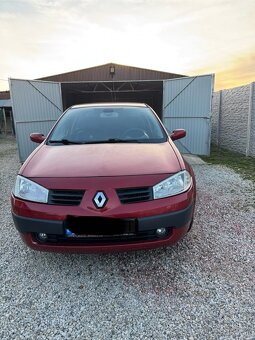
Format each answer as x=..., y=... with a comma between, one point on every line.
x=202, y=288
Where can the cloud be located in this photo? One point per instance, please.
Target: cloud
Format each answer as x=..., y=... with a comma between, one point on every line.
x=241, y=71
x=16, y=7
x=238, y=71
x=43, y=37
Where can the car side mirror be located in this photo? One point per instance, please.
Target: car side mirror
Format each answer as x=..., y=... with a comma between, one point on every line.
x=37, y=137
x=177, y=134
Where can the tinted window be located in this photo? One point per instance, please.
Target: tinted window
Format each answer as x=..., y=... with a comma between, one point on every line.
x=95, y=124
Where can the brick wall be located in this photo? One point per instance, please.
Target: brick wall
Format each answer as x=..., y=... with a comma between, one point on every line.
x=232, y=110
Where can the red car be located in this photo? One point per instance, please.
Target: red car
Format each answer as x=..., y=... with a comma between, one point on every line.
x=108, y=177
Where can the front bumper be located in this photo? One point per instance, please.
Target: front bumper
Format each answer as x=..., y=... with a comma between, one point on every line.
x=171, y=220
x=145, y=237
x=174, y=237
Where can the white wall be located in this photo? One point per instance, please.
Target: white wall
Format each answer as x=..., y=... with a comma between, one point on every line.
x=233, y=119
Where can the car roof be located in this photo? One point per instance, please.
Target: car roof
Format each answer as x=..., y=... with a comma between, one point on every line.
x=109, y=104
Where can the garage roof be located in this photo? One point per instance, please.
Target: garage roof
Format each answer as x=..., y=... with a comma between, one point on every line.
x=111, y=72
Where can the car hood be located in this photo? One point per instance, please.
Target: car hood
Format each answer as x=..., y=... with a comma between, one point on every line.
x=101, y=160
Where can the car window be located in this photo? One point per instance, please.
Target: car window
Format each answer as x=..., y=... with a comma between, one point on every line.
x=95, y=124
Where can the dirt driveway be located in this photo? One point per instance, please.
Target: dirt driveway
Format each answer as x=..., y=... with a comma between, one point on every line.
x=202, y=288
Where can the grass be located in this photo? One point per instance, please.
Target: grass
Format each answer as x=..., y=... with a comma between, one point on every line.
x=245, y=166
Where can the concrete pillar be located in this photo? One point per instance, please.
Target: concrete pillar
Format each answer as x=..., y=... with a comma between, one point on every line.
x=218, y=132
x=250, y=112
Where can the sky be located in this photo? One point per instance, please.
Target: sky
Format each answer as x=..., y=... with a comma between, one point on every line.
x=44, y=37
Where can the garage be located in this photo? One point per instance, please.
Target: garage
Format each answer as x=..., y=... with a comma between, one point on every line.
x=180, y=102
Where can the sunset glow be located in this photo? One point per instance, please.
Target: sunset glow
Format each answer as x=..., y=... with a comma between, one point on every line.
x=41, y=38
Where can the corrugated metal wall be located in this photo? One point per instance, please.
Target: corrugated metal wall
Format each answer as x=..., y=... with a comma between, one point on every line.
x=187, y=104
x=36, y=106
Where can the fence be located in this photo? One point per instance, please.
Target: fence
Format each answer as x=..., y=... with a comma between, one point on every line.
x=233, y=119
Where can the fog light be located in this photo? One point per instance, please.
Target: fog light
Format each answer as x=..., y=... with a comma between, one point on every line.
x=161, y=231
x=42, y=236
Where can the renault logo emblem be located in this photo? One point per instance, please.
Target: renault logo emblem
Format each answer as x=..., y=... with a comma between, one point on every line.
x=100, y=199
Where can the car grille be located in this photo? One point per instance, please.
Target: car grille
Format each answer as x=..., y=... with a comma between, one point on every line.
x=134, y=195
x=102, y=239
x=149, y=235
x=65, y=197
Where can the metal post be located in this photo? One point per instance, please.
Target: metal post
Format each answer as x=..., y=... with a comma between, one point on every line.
x=5, y=122
x=247, y=152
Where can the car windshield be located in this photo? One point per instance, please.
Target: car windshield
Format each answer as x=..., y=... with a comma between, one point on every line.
x=107, y=124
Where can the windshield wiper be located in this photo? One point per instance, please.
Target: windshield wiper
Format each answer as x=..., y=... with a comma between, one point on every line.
x=114, y=140
x=64, y=141
x=103, y=141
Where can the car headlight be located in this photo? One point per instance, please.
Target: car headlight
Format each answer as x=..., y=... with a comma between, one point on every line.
x=173, y=185
x=30, y=191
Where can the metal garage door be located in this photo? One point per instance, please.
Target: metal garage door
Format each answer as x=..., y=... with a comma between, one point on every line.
x=36, y=106
x=187, y=104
